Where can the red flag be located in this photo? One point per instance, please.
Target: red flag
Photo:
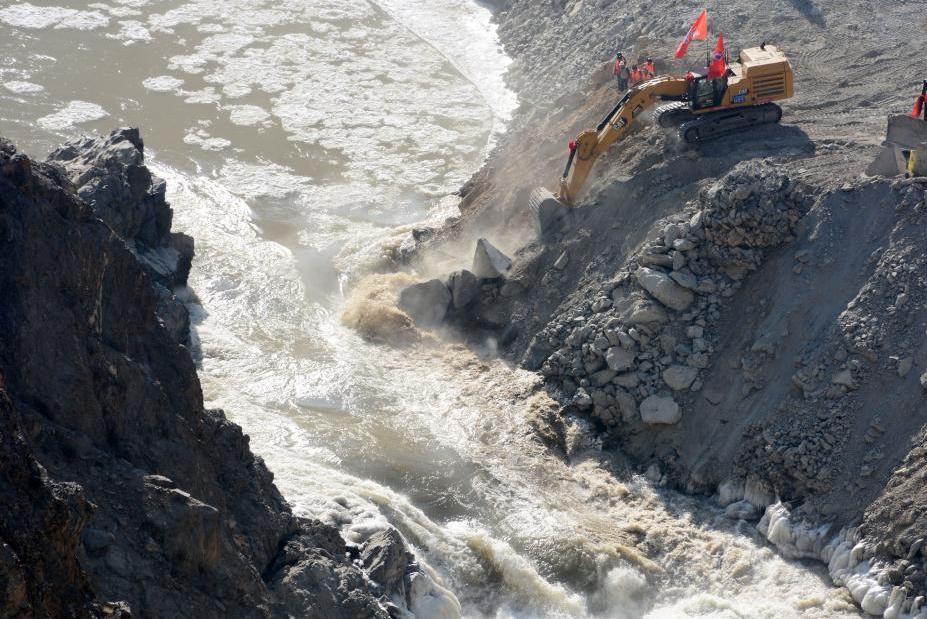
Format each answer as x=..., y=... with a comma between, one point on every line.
x=698, y=32
x=718, y=66
x=918, y=106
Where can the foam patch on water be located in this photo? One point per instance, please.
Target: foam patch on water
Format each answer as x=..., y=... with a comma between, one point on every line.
x=266, y=180
x=163, y=83
x=202, y=139
x=71, y=115
x=26, y=15
x=23, y=88
x=132, y=31
x=248, y=115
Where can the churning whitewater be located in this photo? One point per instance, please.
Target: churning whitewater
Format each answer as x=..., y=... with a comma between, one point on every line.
x=300, y=140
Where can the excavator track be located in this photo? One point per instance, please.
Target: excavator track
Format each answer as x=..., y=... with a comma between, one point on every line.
x=673, y=114
x=725, y=122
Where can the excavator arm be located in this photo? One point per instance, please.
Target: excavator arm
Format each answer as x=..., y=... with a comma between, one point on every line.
x=592, y=143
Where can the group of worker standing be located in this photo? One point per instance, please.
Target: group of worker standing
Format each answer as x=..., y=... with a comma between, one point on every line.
x=631, y=76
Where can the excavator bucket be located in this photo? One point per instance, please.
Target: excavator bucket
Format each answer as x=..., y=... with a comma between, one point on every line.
x=906, y=132
x=905, y=148
x=551, y=216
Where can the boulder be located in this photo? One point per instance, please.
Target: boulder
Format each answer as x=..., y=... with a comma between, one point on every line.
x=924, y=380
x=464, y=287
x=619, y=359
x=427, y=303
x=489, y=262
x=627, y=405
x=664, y=289
x=742, y=510
x=582, y=399
x=386, y=559
x=660, y=410
x=679, y=377
x=645, y=312
x=685, y=279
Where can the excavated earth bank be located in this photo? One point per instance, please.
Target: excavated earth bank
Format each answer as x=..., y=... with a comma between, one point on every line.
x=746, y=318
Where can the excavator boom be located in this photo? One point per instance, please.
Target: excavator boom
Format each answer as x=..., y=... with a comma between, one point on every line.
x=592, y=143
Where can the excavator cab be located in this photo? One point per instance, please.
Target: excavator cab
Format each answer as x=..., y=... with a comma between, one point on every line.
x=704, y=93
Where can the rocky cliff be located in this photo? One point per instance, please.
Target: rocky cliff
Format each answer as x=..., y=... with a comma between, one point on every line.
x=122, y=494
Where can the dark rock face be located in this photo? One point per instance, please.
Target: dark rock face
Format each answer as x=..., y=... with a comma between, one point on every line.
x=111, y=177
x=117, y=484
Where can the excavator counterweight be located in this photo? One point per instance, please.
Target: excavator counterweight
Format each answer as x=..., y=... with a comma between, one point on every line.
x=703, y=109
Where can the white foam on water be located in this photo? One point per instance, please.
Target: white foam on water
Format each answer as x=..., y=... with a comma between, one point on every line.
x=132, y=31
x=71, y=115
x=163, y=83
x=248, y=115
x=202, y=139
x=26, y=15
x=23, y=88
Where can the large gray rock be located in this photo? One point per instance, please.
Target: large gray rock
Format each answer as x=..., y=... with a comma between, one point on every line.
x=464, y=287
x=660, y=410
x=619, y=359
x=664, y=289
x=386, y=559
x=679, y=377
x=489, y=262
x=427, y=303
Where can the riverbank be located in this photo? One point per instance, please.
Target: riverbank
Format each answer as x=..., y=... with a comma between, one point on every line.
x=725, y=350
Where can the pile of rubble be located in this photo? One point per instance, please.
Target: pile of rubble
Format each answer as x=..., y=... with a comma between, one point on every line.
x=466, y=298
x=648, y=333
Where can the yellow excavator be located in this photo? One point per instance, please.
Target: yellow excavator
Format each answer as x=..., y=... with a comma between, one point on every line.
x=702, y=109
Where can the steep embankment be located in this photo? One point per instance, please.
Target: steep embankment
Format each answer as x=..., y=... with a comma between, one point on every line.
x=745, y=318
x=117, y=483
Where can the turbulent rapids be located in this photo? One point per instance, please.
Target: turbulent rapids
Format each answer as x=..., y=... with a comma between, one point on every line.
x=299, y=139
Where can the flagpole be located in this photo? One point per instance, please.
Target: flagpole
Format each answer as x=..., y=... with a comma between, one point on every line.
x=708, y=45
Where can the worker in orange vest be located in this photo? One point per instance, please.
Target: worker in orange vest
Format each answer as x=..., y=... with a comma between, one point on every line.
x=621, y=72
x=650, y=69
x=636, y=76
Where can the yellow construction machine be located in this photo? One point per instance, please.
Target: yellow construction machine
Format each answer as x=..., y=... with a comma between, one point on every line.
x=701, y=108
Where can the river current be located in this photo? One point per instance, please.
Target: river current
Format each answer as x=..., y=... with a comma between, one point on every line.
x=301, y=139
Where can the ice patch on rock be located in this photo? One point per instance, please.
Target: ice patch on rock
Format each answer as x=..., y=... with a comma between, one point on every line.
x=71, y=115
x=845, y=559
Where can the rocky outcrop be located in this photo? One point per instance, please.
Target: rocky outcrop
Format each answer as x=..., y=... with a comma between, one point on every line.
x=110, y=176
x=118, y=484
